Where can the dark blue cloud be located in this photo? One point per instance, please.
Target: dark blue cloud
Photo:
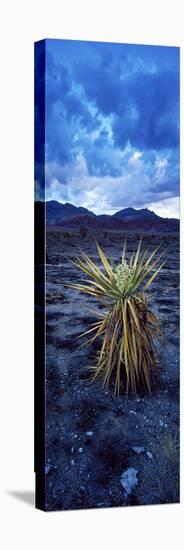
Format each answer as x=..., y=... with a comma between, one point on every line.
x=102, y=158
x=142, y=97
x=145, y=104
x=101, y=97
x=101, y=87
x=149, y=115
x=67, y=113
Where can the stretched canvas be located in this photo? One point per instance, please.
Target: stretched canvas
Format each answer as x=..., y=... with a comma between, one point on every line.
x=106, y=274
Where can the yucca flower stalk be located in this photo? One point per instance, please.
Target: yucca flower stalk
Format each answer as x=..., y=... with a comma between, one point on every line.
x=127, y=328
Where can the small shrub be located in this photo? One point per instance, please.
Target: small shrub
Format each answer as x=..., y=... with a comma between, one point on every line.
x=160, y=479
x=127, y=326
x=83, y=231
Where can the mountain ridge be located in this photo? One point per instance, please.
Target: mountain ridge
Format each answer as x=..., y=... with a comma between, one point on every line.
x=128, y=218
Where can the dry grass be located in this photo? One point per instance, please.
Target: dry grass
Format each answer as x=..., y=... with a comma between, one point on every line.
x=160, y=477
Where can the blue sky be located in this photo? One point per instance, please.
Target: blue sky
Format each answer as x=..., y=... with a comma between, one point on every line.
x=112, y=126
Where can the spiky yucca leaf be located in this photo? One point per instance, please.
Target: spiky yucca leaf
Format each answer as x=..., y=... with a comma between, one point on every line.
x=128, y=326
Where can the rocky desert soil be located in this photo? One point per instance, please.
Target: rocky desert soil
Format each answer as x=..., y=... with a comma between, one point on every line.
x=104, y=451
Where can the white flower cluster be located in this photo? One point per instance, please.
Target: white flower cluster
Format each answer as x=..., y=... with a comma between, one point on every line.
x=123, y=275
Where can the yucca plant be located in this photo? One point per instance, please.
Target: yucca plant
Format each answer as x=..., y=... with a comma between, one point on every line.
x=127, y=327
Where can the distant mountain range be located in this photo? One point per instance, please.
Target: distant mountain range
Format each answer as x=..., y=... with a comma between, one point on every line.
x=68, y=215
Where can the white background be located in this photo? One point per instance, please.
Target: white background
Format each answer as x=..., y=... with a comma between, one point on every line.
x=138, y=21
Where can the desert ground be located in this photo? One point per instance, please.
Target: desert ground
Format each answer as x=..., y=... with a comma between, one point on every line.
x=93, y=437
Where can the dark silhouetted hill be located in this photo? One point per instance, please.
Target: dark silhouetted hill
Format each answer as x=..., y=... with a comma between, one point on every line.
x=128, y=219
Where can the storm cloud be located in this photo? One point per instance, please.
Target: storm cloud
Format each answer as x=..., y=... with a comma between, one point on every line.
x=112, y=125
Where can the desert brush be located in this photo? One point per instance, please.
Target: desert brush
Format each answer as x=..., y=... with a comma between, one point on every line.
x=127, y=327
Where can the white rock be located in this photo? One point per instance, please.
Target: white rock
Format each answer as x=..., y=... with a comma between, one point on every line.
x=129, y=480
x=149, y=455
x=89, y=433
x=80, y=450
x=138, y=450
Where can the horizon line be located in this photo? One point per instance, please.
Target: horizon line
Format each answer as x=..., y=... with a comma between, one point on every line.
x=104, y=214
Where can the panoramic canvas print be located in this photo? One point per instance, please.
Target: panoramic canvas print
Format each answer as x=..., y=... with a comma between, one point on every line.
x=106, y=274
